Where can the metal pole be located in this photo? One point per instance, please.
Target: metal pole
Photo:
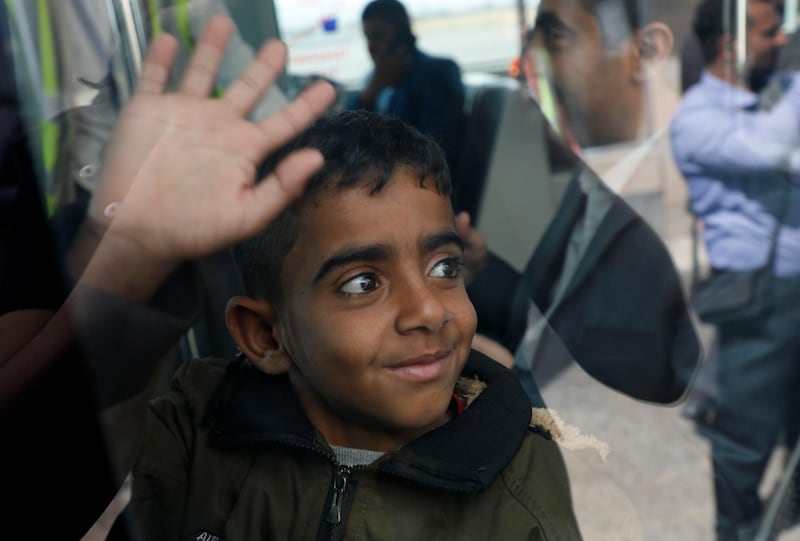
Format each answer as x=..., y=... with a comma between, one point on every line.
x=741, y=40
x=522, y=23
x=129, y=29
x=781, y=500
x=790, y=16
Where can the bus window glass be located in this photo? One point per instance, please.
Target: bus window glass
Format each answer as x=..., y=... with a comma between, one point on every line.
x=325, y=36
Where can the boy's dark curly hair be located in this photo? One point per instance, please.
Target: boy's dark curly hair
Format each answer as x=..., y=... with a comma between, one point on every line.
x=362, y=150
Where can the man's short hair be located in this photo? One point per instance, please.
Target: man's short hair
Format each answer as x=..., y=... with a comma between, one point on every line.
x=618, y=19
x=713, y=19
x=362, y=150
x=394, y=13
x=613, y=12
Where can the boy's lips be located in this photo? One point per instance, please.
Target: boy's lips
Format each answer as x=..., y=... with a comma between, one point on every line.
x=423, y=368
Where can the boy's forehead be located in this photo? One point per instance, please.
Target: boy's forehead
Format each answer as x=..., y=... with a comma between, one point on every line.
x=402, y=209
x=370, y=187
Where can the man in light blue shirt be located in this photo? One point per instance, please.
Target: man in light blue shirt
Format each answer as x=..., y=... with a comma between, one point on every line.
x=742, y=166
x=736, y=160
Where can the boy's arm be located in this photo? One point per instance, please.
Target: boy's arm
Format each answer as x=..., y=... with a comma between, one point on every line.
x=179, y=184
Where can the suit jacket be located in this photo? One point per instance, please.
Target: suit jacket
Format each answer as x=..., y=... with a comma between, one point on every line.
x=623, y=316
x=430, y=97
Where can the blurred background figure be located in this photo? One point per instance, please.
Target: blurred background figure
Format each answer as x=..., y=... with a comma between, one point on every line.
x=106, y=79
x=607, y=60
x=76, y=72
x=742, y=168
x=606, y=74
x=623, y=127
x=423, y=91
x=597, y=70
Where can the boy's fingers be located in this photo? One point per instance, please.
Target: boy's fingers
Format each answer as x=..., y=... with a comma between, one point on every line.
x=156, y=66
x=296, y=116
x=245, y=92
x=465, y=230
x=201, y=73
x=463, y=223
x=280, y=188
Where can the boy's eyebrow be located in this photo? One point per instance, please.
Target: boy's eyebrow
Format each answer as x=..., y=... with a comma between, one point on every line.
x=379, y=252
x=374, y=252
x=434, y=241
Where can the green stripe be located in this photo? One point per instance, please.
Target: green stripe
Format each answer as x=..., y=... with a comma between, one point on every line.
x=49, y=143
x=155, y=20
x=184, y=24
x=47, y=57
x=47, y=54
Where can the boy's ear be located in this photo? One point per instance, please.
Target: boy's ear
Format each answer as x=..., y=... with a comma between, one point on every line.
x=655, y=42
x=254, y=326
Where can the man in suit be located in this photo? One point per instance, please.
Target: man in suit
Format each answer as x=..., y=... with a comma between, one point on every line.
x=600, y=286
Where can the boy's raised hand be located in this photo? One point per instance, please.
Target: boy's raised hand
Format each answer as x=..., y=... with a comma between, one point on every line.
x=182, y=166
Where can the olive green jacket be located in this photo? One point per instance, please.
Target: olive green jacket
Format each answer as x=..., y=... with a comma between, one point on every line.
x=229, y=454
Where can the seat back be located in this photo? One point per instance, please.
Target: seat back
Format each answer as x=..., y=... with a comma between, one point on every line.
x=483, y=109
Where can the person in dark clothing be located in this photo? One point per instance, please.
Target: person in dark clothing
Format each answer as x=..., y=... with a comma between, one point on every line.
x=578, y=296
x=422, y=90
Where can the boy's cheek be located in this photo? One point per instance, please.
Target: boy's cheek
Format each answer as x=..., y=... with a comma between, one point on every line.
x=466, y=319
x=464, y=311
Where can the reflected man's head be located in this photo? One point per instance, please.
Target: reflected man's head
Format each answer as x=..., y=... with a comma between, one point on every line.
x=602, y=53
x=356, y=290
x=715, y=23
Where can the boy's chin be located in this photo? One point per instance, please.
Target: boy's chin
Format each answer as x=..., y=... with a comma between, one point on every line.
x=434, y=413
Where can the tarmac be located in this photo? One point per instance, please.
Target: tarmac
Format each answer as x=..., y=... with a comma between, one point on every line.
x=656, y=482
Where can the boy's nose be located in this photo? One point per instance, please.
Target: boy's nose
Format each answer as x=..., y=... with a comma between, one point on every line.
x=421, y=309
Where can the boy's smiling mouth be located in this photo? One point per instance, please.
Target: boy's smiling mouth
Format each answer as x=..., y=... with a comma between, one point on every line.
x=426, y=367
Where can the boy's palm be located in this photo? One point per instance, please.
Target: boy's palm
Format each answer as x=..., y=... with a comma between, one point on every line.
x=182, y=166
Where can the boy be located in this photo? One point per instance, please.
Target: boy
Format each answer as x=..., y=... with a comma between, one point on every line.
x=339, y=420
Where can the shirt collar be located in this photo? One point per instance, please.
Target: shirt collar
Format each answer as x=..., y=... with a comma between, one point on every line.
x=734, y=95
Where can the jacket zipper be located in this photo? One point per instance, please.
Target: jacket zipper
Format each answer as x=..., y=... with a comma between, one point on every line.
x=342, y=477
x=339, y=486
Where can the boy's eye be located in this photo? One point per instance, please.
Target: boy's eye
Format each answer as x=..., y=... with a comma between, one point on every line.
x=358, y=285
x=447, y=268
